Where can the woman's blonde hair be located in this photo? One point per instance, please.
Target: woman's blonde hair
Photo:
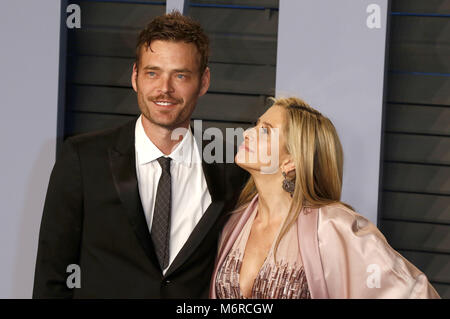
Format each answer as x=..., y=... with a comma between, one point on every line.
x=313, y=143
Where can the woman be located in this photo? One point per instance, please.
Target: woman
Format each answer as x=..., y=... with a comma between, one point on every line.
x=290, y=235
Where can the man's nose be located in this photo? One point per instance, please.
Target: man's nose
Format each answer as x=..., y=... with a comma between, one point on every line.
x=165, y=85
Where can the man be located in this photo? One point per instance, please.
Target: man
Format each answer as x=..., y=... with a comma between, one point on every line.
x=136, y=207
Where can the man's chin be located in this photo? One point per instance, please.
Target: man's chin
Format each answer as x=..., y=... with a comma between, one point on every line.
x=169, y=124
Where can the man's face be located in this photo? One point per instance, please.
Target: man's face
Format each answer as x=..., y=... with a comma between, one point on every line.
x=168, y=82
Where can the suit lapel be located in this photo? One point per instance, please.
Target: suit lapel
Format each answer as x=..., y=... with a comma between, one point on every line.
x=215, y=180
x=198, y=234
x=123, y=167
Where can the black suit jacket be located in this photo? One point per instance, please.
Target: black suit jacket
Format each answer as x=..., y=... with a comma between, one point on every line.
x=93, y=218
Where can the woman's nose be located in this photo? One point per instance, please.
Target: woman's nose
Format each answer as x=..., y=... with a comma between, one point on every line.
x=249, y=133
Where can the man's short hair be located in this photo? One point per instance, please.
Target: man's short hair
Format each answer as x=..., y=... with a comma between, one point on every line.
x=175, y=27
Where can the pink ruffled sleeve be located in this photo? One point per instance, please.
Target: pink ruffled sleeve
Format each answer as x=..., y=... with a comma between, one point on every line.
x=358, y=262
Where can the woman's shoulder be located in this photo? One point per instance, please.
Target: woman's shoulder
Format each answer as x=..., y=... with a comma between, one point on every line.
x=232, y=221
x=339, y=210
x=360, y=246
x=344, y=216
x=347, y=223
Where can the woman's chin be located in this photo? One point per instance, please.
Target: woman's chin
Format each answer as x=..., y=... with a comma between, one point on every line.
x=257, y=168
x=239, y=162
x=239, y=159
x=249, y=167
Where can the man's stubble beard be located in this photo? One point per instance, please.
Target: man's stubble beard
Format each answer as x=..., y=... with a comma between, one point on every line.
x=179, y=119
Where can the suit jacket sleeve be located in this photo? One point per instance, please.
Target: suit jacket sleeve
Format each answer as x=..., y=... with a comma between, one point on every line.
x=61, y=225
x=358, y=262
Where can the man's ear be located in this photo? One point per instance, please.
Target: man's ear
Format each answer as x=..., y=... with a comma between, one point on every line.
x=134, y=75
x=205, y=81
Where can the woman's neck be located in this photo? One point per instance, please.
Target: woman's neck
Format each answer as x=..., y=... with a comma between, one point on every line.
x=273, y=201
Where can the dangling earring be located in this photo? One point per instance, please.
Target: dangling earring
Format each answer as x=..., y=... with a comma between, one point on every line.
x=288, y=184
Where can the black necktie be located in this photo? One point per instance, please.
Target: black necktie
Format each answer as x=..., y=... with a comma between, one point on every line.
x=161, y=215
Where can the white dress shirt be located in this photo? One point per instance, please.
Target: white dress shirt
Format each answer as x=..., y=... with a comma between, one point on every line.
x=190, y=195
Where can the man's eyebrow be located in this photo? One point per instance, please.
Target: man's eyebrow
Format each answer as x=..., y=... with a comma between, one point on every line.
x=151, y=67
x=182, y=71
x=157, y=68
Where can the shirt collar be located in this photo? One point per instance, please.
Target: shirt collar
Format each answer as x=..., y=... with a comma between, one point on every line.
x=148, y=152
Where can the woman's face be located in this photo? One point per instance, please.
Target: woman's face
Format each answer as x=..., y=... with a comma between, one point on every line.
x=263, y=148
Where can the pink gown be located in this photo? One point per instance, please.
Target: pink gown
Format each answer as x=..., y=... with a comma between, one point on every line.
x=343, y=255
x=281, y=279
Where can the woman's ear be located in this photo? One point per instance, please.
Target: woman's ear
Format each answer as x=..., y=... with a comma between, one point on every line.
x=288, y=166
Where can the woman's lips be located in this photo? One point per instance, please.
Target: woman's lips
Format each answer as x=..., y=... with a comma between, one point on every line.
x=243, y=146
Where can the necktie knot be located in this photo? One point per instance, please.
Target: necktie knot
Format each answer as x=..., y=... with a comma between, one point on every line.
x=164, y=162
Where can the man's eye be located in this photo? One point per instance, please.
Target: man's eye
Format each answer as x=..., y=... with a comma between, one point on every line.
x=180, y=76
x=264, y=130
x=151, y=74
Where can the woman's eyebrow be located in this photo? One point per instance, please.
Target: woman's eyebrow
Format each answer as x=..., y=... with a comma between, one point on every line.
x=264, y=122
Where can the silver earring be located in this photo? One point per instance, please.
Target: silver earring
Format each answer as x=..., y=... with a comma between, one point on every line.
x=288, y=184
